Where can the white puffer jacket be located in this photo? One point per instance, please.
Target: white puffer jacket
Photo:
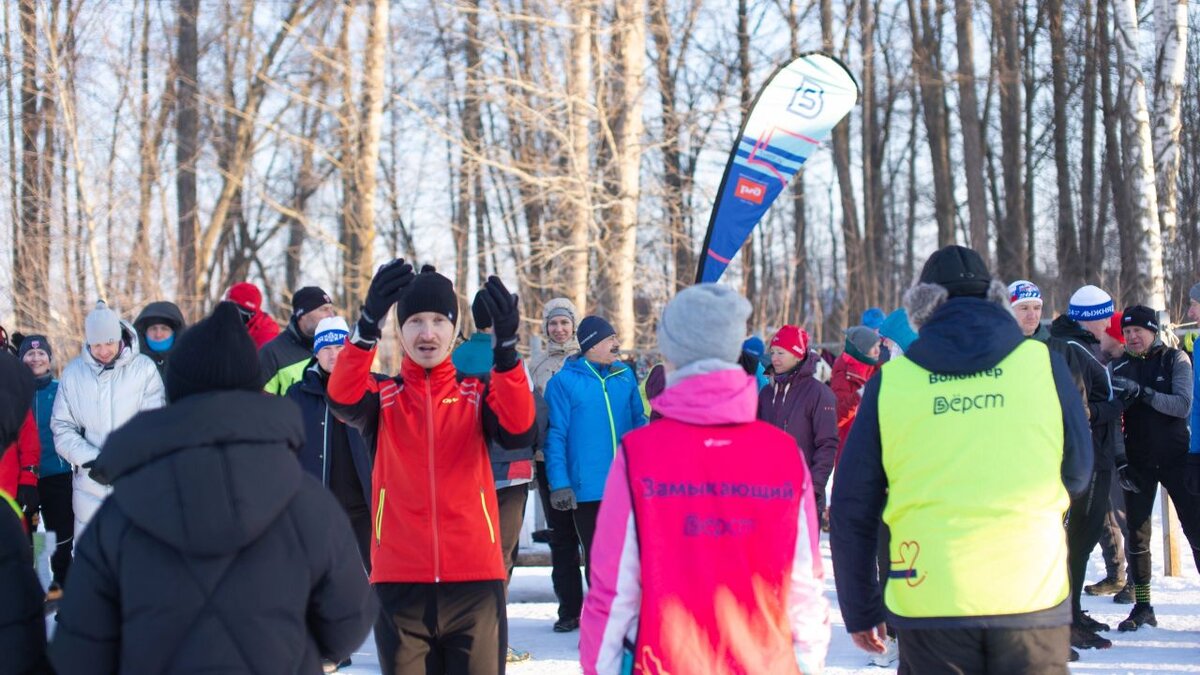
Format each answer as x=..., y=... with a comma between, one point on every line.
x=92, y=401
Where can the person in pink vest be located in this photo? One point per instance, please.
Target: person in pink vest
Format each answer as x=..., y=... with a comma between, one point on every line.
x=706, y=556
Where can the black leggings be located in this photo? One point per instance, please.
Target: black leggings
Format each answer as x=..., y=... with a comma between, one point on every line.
x=564, y=553
x=59, y=517
x=1085, y=525
x=1139, y=505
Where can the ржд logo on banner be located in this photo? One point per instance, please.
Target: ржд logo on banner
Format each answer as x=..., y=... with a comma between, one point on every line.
x=751, y=191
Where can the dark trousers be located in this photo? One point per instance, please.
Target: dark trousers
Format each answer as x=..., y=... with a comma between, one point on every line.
x=59, y=517
x=1139, y=505
x=511, y=501
x=564, y=553
x=585, y=524
x=360, y=522
x=442, y=629
x=978, y=651
x=1085, y=524
x=1112, y=538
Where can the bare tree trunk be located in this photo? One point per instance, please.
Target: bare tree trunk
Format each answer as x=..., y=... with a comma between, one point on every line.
x=1170, y=67
x=1091, y=239
x=579, y=87
x=187, y=149
x=749, y=279
x=795, y=314
x=359, y=249
x=873, y=141
x=927, y=64
x=972, y=131
x=1114, y=163
x=30, y=301
x=1069, y=261
x=1139, y=161
x=1012, y=245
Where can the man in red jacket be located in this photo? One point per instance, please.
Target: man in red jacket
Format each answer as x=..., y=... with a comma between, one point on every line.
x=435, y=545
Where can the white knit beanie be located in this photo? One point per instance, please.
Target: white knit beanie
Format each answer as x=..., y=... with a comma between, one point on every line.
x=1090, y=304
x=102, y=325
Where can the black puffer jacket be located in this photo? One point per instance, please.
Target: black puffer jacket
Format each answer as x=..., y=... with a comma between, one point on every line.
x=215, y=553
x=1080, y=348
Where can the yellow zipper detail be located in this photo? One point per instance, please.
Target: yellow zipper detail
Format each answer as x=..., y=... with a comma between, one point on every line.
x=379, y=516
x=487, y=516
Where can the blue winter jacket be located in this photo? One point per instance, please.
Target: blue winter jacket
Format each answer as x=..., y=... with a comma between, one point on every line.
x=1195, y=445
x=591, y=408
x=43, y=405
x=319, y=423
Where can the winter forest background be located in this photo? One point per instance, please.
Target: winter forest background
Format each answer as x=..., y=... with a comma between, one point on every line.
x=166, y=150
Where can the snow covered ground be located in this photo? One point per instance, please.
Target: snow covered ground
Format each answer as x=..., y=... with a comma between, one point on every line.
x=1173, y=647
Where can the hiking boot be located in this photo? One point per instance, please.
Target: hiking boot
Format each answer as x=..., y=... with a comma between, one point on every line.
x=1142, y=615
x=1107, y=586
x=566, y=625
x=515, y=656
x=1082, y=638
x=1124, y=596
x=1085, y=621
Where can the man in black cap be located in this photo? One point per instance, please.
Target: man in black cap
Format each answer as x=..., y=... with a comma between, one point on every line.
x=284, y=359
x=215, y=552
x=1155, y=382
x=967, y=447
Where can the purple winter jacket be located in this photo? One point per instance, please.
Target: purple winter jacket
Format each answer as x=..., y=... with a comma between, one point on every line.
x=807, y=409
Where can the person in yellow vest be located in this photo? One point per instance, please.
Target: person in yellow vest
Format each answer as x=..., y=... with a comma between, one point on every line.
x=968, y=448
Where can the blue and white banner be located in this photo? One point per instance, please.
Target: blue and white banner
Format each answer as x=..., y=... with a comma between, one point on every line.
x=793, y=114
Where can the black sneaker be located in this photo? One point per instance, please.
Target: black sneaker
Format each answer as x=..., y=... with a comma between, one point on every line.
x=1125, y=596
x=1082, y=638
x=1142, y=615
x=1085, y=621
x=1108, y=586
x=566, y=625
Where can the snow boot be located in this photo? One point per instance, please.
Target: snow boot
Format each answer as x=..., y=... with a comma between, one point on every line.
x=1085, y=621
x=1124, y=596
x=566, y=625
x=1082, y=638
x=1106, y=586
x=1142, y=615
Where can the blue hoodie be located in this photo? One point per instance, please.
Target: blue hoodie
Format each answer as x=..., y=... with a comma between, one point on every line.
x=591, y=408
x=963, y=336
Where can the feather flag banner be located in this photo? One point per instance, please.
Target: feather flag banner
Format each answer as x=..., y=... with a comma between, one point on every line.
x=794, y=113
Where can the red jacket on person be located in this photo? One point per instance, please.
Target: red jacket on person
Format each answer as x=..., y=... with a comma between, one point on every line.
x=849, y=377
x=262, y=329
x=433, y=499
x=24, y=453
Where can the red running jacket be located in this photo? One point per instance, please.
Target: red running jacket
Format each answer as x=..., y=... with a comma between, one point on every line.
x=433, y=499
x=25, y=452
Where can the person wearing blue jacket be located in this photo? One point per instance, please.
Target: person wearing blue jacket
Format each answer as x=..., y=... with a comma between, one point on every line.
x=334, y=453
x=1194, y=449
x=54, y=473
x=594, y=401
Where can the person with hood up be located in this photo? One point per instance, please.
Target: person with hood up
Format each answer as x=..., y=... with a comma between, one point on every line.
x=158, y=327
x=334, y=453
x=558, y=325
x=706, y=562
x=1088, y=512
x=54, y=473
x=22, y=614
x=974, y=440
x=284, y=359
x=99, y=390
x=215, y=553
x=798, y=403
x=857, y=363
x=435, y=551
x=1155, y=382
x=594, y=401
x=261, y=327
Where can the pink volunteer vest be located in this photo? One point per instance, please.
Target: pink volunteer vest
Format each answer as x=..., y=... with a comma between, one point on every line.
x=716, y=510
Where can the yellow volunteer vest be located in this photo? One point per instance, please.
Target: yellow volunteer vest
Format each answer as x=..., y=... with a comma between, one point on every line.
x=975, y=494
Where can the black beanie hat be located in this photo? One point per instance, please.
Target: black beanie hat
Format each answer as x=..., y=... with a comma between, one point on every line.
x=428, y=292
x=214, y=354
x=307, y=299
x=1140, y=316
x=959, y=270
x=35, y=342
x=16, y=396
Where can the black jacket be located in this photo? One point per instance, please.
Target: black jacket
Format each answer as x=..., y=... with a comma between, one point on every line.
x=320, y=425
x=1080, y=348
x=962, y=337
x=287, y=349
x=1156, y=428
x=215, y=553
x=158, y=312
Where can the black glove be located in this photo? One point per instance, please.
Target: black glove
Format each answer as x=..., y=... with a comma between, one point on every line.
x=502, y=306
x=563, y=499
x=1126, y=477
x=28, y=498
x=387, y=287
x=1126, y=389
x=1191, y=474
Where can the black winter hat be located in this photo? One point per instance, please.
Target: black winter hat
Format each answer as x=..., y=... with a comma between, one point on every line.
x=214, y=354
x=35, y=342
x=592, y=330
x=959, y=270
x=1140, y=316
x=307, y=299
x=428, y=292
x=16, y=395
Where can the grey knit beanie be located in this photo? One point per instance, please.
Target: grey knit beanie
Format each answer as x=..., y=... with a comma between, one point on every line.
x=102, y=325
x=706, y=321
